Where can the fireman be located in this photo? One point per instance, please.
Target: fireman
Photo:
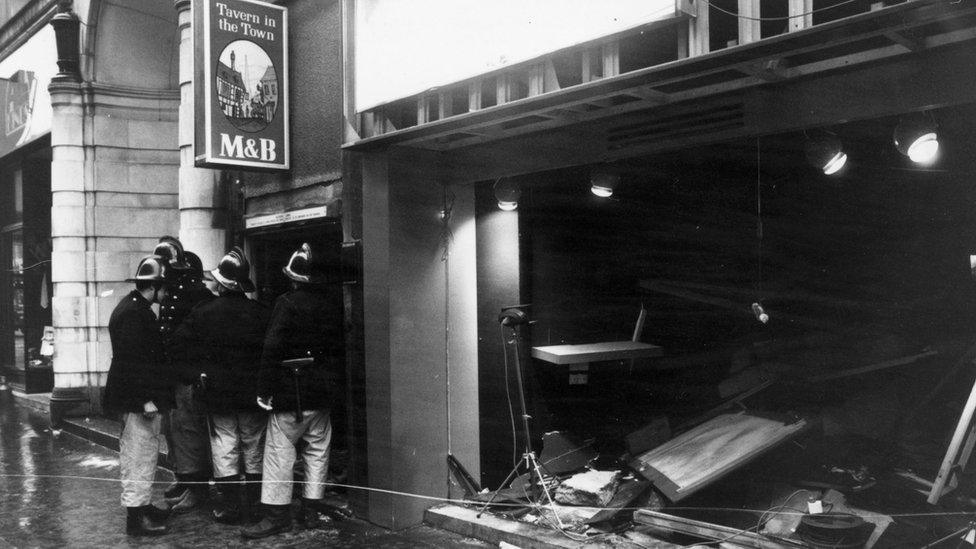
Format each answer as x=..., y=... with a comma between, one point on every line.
x=223, y=339
x=304, y=353
x=186, y=434
x=140, y=387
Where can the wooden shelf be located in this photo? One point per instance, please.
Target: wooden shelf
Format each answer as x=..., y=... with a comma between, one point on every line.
x=595, y=352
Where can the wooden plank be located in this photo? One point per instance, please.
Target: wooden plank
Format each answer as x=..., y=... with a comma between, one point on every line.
x=493, y=529
x=585, y=66
x=503, y=88
x=610, y=54
x=537, y=79
x=596, y=352
x=445, y=107
x=711, y=531
x=621, y=501
x=550, y=81
x=749, y=28
x=698, y=32
x=474, y=95
x=953, y=462
x=801, y=14
x=423, y=109
x=699, y=457
x=872, y=367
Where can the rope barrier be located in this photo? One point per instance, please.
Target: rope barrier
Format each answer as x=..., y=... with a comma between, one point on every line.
x=758, y=512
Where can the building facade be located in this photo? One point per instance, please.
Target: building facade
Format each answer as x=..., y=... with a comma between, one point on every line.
x=397, y=174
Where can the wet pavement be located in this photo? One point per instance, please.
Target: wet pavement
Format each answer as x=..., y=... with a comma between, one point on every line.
x=63, y=491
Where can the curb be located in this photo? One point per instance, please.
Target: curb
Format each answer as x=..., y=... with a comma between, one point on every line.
x=99, y=430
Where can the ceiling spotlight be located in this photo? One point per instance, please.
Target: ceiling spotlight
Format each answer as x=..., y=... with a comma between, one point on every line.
x=916, y=138
x=603, y=182
x=824, y=153
x=760, y=313
x=507, y=193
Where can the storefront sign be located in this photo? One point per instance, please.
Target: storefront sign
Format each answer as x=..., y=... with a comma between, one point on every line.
x=399, y=52
x=25, y=105
x=241, y=66
x=286, y=217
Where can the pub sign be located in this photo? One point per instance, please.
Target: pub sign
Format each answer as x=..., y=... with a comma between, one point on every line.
x=241, y=84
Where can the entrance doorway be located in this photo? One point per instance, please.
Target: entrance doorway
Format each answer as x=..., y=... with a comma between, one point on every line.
x=269, y=251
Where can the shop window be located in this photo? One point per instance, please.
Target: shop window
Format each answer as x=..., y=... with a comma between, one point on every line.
x=25, y=270
x=12, y=342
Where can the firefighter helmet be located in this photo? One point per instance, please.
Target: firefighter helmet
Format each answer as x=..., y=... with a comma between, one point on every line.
x=305, y=266
x=233, y=271
x=193, y=263
x=151, y=268
x=171, y=250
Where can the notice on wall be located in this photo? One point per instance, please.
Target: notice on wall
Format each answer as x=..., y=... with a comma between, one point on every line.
x=241, y=84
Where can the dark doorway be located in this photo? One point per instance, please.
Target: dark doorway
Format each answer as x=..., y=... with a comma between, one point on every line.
x=270, y=250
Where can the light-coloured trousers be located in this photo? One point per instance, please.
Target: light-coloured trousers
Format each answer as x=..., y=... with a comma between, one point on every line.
x=189, y=441
x=279, y=455
x=138, y=452
x=232, y=436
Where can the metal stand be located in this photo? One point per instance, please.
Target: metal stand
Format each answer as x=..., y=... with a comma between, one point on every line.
x=514, y=318
x=956, y=458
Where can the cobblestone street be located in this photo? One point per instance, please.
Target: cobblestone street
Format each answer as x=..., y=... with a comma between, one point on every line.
x=63, y=491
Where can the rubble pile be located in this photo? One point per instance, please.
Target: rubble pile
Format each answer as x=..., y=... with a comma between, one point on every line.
x=791, y=457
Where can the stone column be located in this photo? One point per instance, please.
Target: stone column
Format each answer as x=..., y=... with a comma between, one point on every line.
x=108, y=210
x=203, y=203
x=69, y=263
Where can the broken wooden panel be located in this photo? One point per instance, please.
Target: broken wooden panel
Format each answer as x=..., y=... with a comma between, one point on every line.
x=706, y=453
x=623, y=500
x=650, y=436
x=743, y=538
x=561, y=454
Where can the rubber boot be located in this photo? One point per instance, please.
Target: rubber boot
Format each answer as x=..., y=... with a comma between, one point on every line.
x=155, y=513
x=175, y=491
x=139, y=522
x=275, y=519
x=194, y=495
x=228, y=507
x=252, y=497
x=332, y=511
x=308, y=513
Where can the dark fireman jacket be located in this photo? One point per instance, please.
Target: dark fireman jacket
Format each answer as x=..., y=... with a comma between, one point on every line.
x=305, y=322
x=223, y=338
x=137, y=374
